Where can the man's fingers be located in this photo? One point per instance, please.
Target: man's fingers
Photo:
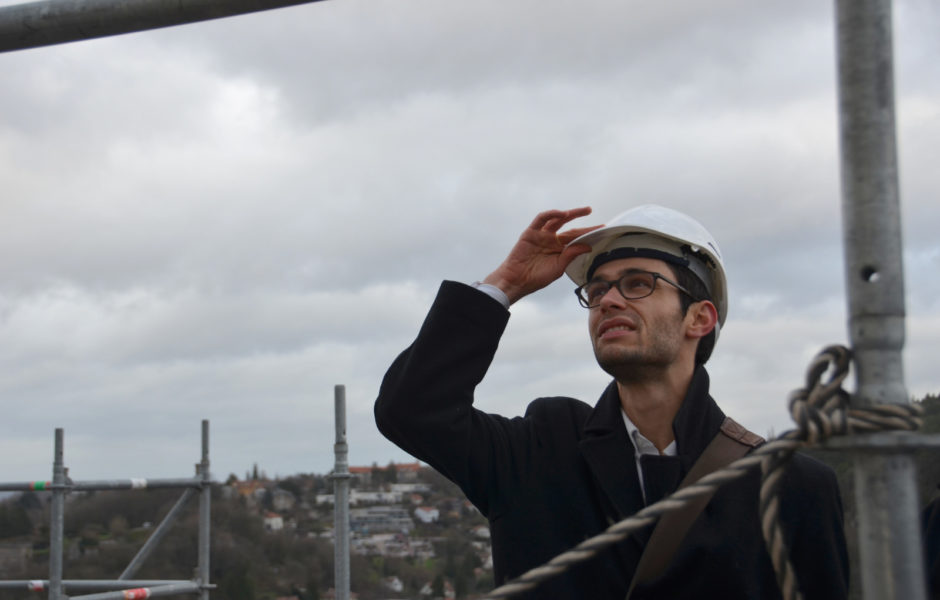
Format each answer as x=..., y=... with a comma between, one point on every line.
x=567, y=216
x=570, y=235
x=543, y=218
x=553, y=220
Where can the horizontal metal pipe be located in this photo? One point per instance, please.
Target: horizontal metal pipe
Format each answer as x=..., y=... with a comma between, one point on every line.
x=894, y=442
x=89, y=585
x=136, y=484
x=104, y=484
x=26, y=486
x=48, y=22
x=174, y=589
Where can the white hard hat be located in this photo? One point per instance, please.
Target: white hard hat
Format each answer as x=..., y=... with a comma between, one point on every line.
x=656, y=232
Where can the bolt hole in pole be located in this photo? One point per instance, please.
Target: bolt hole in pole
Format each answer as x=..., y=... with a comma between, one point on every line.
x=870, y=274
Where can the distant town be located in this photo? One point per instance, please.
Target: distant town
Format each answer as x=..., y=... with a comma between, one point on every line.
x=395, y=512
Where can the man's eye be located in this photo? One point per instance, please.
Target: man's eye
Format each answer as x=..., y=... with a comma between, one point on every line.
x=637, y=283
x=597, y=291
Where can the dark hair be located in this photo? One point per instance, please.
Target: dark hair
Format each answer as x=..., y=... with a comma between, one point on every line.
x=696, y=287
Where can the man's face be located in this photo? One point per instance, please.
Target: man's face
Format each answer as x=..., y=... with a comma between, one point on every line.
x=633, y=338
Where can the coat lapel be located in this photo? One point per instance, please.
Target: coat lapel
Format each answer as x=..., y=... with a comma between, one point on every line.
x=697, y=421
x=609, y=453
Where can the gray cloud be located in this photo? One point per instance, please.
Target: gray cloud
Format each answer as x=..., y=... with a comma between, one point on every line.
x=225, y=220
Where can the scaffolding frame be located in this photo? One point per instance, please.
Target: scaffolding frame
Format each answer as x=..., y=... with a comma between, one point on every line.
x=124, y=587
x=885, y=490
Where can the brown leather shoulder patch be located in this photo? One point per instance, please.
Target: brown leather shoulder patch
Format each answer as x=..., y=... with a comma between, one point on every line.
x=738, y=433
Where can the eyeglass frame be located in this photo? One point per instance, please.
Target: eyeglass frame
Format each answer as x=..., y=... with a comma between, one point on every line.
x=616, y=284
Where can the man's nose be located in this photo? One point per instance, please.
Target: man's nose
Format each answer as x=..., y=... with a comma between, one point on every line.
x=613, y=298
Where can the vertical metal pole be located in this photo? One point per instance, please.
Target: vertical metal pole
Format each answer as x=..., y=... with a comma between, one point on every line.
x=341, y=500
x=205, y=500
x=891, y=564
x=57, y=524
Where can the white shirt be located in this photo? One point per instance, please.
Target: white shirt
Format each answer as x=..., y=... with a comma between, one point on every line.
x=493, y=292
x=642, y=446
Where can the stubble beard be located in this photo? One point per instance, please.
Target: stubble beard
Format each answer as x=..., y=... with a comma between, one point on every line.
x=642, y=363
x=634, y=365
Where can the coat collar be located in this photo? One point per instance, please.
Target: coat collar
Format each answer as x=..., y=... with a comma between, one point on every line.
x=609, y=452
x=698, y=420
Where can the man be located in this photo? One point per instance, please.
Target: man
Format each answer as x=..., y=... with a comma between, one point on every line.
x=654, y=286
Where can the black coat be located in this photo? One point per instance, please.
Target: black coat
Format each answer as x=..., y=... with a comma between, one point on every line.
x=931, y=521
x=566, y=471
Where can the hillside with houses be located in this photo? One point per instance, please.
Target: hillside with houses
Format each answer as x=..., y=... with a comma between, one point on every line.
x=413, y=535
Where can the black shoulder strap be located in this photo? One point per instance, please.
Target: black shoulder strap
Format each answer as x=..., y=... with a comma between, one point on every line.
x=731, y=443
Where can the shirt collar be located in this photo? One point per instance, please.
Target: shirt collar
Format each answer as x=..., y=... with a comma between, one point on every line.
x=641, y=445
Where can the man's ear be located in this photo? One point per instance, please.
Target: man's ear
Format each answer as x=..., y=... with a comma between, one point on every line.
x=701, y=319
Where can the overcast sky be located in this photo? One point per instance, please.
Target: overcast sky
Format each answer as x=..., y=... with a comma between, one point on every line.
x=225, y=220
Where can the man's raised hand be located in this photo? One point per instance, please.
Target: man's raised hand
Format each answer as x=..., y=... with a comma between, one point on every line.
x=541, y=254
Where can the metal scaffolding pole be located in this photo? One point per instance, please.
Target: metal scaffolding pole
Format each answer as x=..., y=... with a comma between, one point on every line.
x=57, y=524
x=88, y=585
x=173, y=589
x=147, y=549
x=341, y=500
x=205, y=500
x=48, y=22
x=136, y=484
x=105, y=484
x=891, y=563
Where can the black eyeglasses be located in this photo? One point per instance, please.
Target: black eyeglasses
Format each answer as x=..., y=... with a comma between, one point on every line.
x=632, y=285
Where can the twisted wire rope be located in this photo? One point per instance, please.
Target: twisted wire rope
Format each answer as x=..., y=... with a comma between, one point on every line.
x=820, y=411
